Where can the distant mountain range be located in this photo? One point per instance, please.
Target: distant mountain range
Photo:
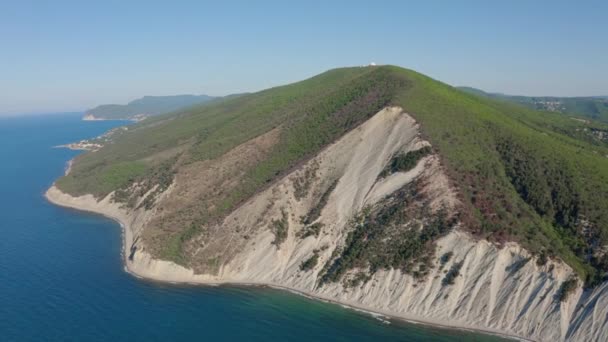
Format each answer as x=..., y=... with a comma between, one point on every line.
x=145, y=107
x=593, y=107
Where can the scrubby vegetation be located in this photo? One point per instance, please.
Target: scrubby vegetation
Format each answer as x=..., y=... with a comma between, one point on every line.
x=358, y=279
x=315, y=211
x=542, y=259
x=566, y=289
x=311, y=230
x=150, y=184
x=452, y=274
x=403, y=162
x=280, y=228
x=302, y=183
x=311, y=262
x=445, y=258
x=160, y=179
x=114, y=176
x=397, y=233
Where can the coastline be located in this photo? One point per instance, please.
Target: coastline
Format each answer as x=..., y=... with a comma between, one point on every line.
x=90, y=117
x=110, y=210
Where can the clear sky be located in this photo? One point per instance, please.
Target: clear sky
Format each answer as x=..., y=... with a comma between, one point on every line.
x=72, y=55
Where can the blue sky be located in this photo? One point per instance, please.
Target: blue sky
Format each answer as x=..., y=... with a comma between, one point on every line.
x=72, y=55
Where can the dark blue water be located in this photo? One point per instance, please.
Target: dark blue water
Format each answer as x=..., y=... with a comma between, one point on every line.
x=61, y=277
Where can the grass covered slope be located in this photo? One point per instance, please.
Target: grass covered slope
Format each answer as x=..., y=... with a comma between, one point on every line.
x=536, y=178
x=147, y=106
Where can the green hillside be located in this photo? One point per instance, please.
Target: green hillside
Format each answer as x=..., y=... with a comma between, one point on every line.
x=595, y=108
x=147, y=105
x=537, y=178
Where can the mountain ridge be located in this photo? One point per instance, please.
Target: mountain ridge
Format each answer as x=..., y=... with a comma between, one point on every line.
x=143, y=107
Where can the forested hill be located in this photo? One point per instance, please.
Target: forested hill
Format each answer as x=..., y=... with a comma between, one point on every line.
x=534, y=177
x=145, y=107
x=592, y=107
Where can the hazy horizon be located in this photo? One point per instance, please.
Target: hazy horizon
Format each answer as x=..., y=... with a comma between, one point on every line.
x=71, y=56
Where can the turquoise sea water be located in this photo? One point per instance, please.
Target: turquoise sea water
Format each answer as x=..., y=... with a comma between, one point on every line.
x=61, y=277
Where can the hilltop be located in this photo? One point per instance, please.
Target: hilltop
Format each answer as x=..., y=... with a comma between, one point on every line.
x=144, y=107
x=368, y=185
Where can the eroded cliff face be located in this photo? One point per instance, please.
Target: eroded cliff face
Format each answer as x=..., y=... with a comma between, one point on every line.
x=267, y=240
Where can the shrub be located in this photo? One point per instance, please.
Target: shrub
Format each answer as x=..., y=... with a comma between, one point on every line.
x=452, y=274
x=280, y=229
x=566, y=289
x=311, y=262
x=405, y=161
x=311, y=230
x=446, y=257
x=542, y=259
x=315, y=212
x=358, y=279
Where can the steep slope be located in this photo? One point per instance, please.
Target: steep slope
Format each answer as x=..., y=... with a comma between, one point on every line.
x=377, y=187
x=145, y=107
x=592, y=107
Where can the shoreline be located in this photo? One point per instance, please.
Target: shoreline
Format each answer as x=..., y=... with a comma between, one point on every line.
x=59, y=198
x=73, y=147
x=89, y=117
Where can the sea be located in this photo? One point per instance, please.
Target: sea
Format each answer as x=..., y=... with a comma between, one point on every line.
x=62, y=278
